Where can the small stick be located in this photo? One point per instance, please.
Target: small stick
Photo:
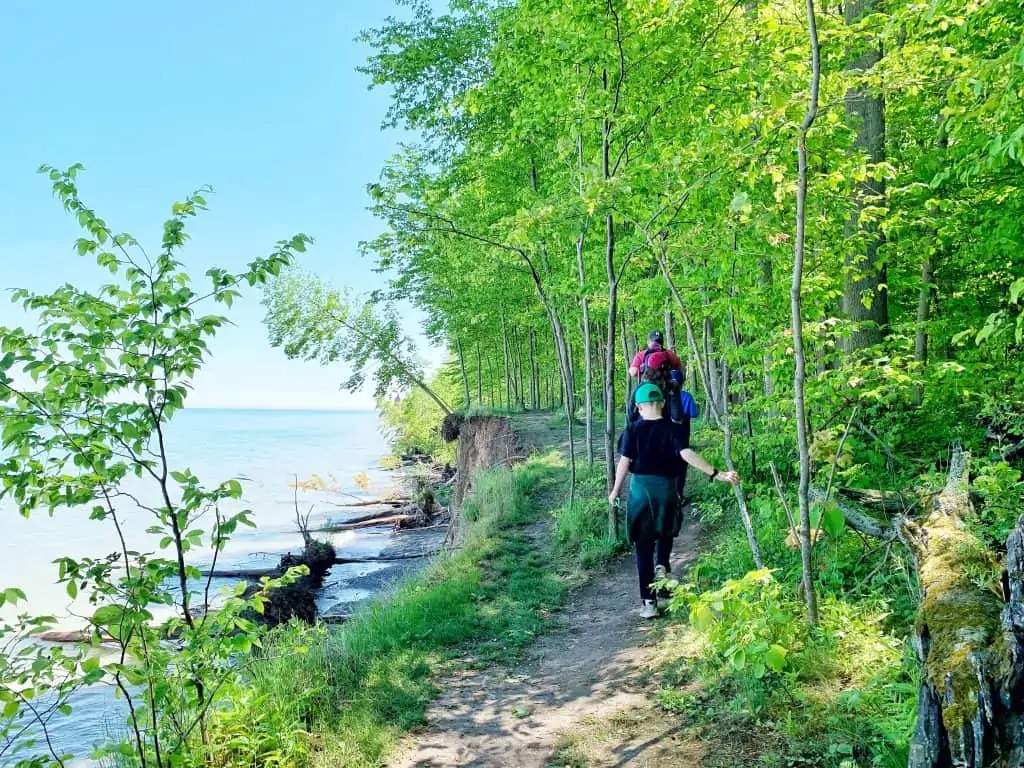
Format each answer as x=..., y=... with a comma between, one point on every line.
x=785, y=504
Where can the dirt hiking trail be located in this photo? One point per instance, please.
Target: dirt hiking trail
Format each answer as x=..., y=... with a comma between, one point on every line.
x=590, y=674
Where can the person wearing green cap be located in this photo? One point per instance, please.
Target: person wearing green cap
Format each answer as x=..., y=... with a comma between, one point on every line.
x=651, y=449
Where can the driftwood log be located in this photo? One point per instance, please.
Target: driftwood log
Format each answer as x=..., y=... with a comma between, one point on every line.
x=393, y=503
x=969, y=632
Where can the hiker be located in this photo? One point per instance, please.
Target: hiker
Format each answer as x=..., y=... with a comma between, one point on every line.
x=652, y=449
x=660, y=366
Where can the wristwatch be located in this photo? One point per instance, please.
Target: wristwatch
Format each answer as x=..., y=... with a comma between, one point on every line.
x=713, y=475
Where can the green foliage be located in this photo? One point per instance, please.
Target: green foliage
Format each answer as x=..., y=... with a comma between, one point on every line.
x=85, y=400
x=749, y=626
x=1003, y=493
x=412, y=424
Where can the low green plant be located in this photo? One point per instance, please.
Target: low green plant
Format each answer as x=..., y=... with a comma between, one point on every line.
x=1002, y=493
x=749, y=626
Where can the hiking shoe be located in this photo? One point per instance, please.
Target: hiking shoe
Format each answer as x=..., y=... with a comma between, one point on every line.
x=649, y=610
x=660, y=573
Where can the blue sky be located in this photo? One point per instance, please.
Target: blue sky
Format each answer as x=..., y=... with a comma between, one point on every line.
x=259, y=99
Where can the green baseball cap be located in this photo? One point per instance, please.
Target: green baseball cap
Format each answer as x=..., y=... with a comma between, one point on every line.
x=649, y=393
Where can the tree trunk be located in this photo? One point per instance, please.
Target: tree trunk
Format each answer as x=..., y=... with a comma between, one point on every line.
x=670, y=342
x=741, y=499
x=744, y=395
x=588, y=363
x=568, y=398
x=534, y=384
x=795, y=299
x=506, y=357
x=629, y=358
x=462, y=369
x=479, y=378
x=971, y=643
x=520, y=376
x=865, y=278
x=924, y=301
x=609, y=362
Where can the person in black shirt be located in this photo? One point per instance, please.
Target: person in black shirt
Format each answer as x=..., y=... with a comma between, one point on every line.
x=652, y=449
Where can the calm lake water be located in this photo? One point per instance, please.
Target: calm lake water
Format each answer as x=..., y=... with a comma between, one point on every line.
x=266, y=449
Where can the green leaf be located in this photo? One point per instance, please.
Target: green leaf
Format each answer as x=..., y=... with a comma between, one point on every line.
x=833, y=522
x=775, y=658
x=701, y=616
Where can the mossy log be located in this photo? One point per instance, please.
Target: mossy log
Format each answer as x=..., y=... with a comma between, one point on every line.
x=886, y=501
x=969, y=637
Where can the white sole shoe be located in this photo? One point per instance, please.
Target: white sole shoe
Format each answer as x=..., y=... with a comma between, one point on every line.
x=649, y=610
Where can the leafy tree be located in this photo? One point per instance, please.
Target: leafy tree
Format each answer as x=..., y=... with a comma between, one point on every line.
x=313, y=321
x=85, y=401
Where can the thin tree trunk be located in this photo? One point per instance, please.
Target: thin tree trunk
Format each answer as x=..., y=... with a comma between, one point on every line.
x=565, y=366
x=479, y=378
x=588, y=364
x=521, y=376
x=609, y=376
x=795, y=299
x=629, y=358
x=924, y=300
x=670, y=341
x=462, y=369
x=744, y=396
x=741, y=499
x=505, y=355
x=534, y=384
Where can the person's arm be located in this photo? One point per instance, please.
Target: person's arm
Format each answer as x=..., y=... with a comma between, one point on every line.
x=621, y=470
x=694, y=459
x=634, y=367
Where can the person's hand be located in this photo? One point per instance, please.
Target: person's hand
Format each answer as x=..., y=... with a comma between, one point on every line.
x=612, y=498
x=732, y=478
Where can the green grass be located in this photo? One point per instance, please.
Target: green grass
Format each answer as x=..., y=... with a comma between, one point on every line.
x=581, y=529
x=357, y=688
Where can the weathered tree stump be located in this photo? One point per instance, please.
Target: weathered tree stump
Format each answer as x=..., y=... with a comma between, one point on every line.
x=969, y=637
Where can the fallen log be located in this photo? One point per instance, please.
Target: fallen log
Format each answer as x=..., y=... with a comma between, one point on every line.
x=857, y=519
x=884, y=501
x=969, y=641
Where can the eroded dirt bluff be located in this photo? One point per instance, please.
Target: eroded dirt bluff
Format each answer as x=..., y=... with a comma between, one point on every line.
x=484, y=442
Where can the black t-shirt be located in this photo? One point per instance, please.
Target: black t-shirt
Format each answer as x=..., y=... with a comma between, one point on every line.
x=653, y=447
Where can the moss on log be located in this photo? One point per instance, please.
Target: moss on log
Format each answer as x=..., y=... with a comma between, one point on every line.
x=969, y=708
